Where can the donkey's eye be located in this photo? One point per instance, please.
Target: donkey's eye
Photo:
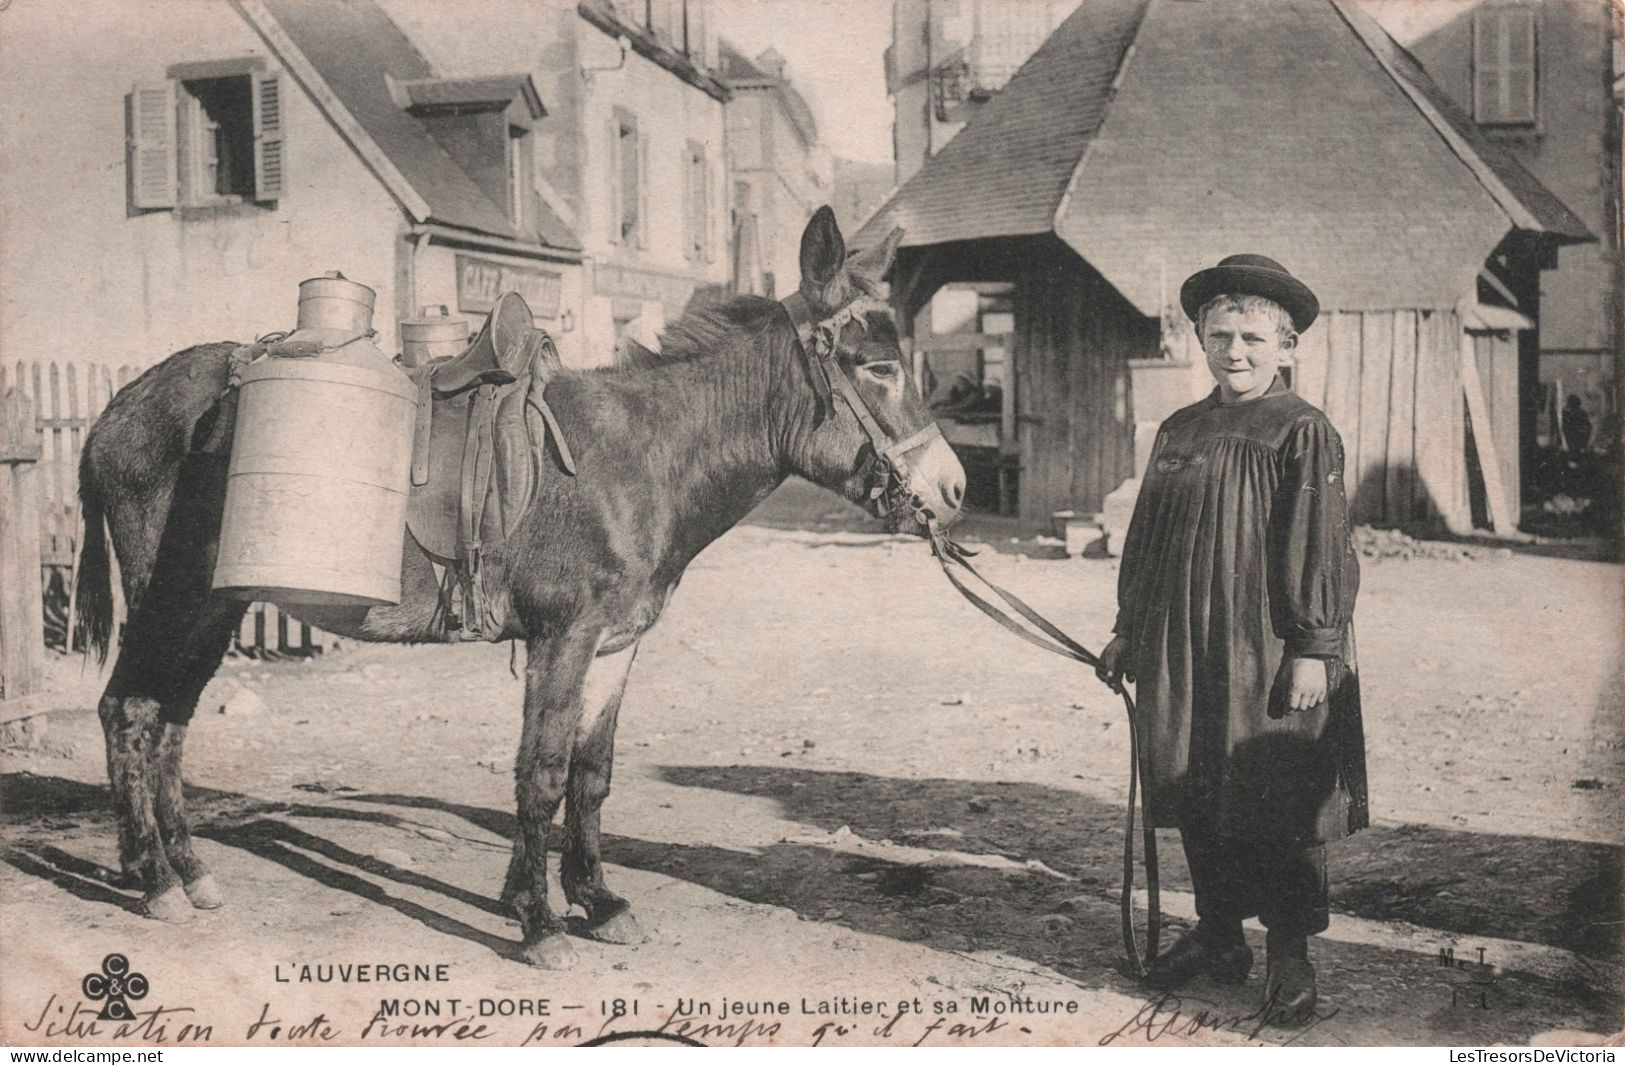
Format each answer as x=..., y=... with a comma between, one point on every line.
x=886, y=371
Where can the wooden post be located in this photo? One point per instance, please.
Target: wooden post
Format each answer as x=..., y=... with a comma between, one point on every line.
x=1501, y=517
x=22, y=622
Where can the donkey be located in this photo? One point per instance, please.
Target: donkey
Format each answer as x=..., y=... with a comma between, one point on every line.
x=671, y=452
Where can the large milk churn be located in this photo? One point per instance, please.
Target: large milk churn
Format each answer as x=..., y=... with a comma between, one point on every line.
x=320, y=462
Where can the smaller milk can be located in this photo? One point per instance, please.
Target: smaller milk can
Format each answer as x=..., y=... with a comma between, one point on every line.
x=433, y=335
x=320, y=463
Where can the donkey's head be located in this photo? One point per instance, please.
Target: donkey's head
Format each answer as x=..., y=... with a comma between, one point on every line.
x=870, y=436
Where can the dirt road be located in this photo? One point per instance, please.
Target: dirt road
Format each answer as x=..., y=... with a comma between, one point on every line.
x=850, y=806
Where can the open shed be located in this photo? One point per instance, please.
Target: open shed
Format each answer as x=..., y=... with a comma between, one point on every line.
x=1116, y=162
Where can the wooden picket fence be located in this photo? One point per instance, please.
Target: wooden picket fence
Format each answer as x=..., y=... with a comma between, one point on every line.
x=67, y=398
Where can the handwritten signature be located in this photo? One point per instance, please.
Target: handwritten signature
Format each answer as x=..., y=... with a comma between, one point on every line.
x=1170, y=1015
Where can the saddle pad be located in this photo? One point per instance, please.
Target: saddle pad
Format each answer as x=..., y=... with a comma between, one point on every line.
x=495, y=418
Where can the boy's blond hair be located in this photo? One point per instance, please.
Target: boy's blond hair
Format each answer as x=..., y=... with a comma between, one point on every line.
x=1243, y=304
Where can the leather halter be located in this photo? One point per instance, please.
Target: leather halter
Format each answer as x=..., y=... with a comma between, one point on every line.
x=889, y=483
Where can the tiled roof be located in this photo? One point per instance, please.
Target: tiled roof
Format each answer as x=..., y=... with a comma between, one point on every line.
x=1005, y=172
x=1273, y=126
x=353, y=45
x=1521, y=188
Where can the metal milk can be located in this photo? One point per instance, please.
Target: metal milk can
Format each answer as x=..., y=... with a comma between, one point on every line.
x=320, y=462
x=434, y=334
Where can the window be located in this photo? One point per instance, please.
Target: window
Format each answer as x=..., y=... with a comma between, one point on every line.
x=666, y=21
x=1504, y=69
x=211, y=134
x=628, y=174
x=520, y=183
x=696, y=204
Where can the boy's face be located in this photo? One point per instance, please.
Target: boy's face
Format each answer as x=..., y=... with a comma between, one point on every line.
x=1244, y=350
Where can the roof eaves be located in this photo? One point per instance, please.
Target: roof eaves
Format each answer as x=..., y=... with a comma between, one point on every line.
x=1515, y=209
x=1123, y=62
x=650, y=47
x=265, y=24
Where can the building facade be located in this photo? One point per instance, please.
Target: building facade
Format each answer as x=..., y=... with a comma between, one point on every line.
x=779, y=170
x=948, y=58
x=201, y=159
x=633, y=147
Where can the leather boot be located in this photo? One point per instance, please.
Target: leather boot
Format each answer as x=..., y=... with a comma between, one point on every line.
x=1289, y=989
x=1201, y=953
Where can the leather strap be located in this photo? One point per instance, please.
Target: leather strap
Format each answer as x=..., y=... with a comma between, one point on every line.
x=801, y=317
x=949, y=554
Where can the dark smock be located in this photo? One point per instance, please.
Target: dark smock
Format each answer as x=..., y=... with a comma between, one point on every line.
x=1239, y=553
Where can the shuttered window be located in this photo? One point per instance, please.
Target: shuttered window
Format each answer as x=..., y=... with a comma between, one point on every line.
x=628, y=167
x=697, y=203
x=1505, y=72
x=268, y=139
x=213, y=133
x=152, y=146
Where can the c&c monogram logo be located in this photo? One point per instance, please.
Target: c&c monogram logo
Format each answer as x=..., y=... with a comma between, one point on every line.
x=113, y=985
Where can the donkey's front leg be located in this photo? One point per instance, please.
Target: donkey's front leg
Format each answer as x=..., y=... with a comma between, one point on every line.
x=554, y=668
x=581, y=868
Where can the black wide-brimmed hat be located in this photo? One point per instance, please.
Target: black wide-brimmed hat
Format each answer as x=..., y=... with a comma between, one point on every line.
x=1251, y=275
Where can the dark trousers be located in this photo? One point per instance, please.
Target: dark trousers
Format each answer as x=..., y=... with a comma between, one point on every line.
x=1283, y=885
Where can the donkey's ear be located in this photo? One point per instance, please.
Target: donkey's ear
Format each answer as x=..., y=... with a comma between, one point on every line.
x=823, y=250
x=869, y=266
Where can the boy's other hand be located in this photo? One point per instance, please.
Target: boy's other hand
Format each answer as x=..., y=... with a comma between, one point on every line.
x=1114, y=663
x=1308, y=684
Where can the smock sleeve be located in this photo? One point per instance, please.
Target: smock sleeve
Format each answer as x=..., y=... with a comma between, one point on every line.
x=1314, y=574
x=1132, y=565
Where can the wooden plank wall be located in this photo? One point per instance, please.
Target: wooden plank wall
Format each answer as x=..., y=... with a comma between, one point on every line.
x=1390, y=382
x=67, y=399
x=1497, y=357
x=1074, y=337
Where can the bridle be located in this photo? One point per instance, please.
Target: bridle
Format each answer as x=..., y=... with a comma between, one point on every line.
x=888, y=483
x=889, y=489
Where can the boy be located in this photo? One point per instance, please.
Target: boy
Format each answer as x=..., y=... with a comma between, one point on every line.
x=1235, y=596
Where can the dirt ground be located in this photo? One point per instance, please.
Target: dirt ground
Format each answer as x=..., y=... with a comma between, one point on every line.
x=852, y=807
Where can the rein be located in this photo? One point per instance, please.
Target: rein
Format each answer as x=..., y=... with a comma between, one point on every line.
x=1050, y=637
x=891, y=489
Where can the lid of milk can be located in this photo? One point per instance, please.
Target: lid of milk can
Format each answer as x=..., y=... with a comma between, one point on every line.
x=333, y=301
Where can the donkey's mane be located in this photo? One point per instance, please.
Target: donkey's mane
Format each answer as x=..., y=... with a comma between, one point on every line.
x=713, y=330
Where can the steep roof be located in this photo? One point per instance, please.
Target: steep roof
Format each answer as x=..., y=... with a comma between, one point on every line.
x=1316, y=140
x=1005, y=172
x=355, y=47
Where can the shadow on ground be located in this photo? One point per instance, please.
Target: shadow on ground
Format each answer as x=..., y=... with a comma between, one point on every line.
x=1554, y=892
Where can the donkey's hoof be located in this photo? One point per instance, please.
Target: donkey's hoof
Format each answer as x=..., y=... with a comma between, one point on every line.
x=554, y=952
x=205, y=893
x=622, y=929
x=172, y=906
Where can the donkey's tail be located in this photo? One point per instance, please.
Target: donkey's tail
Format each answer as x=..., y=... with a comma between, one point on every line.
x=93, y=591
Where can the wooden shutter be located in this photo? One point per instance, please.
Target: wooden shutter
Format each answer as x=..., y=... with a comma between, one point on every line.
x=615, y=182
x=270, y=177
x=642, y=232
x=690, y=232
x=706, y=246
x=152, y=146
x=1504, y=68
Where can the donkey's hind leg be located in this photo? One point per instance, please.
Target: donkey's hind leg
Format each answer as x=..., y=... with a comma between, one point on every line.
x=173, y=643
x=206, y=648
x=133, y=729
x=581, y=869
